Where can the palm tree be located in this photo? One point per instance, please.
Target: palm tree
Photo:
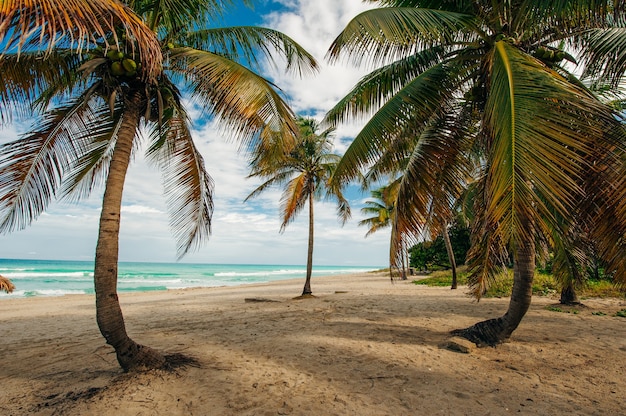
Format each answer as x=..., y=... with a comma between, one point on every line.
x=108, y=98
x=381, y=209
x=492, y=78
x=305, y=172
x=393, y=162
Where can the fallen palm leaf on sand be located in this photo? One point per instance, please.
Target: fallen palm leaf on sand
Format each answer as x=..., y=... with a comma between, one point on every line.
x=6, y=285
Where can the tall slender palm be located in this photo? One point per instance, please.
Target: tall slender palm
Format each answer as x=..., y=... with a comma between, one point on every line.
x=381, y=209
x=305, y=172
x=437, y=208
x=463, y=75
x=107, y=98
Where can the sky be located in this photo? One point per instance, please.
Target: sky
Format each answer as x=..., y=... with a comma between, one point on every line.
x=243, y=233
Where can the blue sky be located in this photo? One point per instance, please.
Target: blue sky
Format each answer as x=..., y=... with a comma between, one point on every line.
x=242, y=233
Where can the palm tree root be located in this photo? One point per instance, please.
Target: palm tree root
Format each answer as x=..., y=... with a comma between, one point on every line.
x=139, y=358
x=136, y=357
x=305, y=296
x=487, y=333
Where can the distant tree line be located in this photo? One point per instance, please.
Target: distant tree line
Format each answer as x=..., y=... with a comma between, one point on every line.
x=432, y=255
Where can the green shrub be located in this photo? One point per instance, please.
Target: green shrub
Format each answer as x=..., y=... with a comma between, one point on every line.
x=543, y=284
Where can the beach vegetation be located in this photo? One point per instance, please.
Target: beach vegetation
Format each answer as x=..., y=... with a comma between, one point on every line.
x=114, y=91
x=544, y=284
x=453, y=81
x=433, y=255
x=304, y=171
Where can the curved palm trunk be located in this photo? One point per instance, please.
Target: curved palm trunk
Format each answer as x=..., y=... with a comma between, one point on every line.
x=309, y=258
x=497, y=330
x=130, y=355
x=448, y=243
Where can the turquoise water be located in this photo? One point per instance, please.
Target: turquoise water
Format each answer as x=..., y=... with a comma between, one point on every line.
x=56, y=278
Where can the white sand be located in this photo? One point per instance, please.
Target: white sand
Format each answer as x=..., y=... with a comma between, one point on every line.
x=374, y=350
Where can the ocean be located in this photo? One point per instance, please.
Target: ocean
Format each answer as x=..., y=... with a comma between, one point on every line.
x=57, y=278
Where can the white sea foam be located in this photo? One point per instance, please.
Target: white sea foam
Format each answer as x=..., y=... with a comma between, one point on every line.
x=36, y=275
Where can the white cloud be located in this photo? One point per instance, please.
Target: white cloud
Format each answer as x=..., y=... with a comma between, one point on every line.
x=242, y=232
x=139, y=209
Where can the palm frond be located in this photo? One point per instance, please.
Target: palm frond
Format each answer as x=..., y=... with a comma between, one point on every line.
x=413, y=105
x=537, y=153
x=188, y=186
x=252, y=46
x=75, y=24
x=433, y=178
x=245, y=103
x=387, y=34
x=178, y=16
x=20, y=88
x=294, y=198
x=6, y=285
x=90, y=169
x=373, y=90
x=32, y=168
x=603, y=53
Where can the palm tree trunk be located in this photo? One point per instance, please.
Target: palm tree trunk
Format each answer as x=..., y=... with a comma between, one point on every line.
x=494, y=331
x=448, y=243
x=130, y=355
x=568, y=295
x=403, y=254
x=309, y=258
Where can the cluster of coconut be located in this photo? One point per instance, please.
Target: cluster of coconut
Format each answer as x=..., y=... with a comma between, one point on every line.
x=122, y=65
x=549, y=55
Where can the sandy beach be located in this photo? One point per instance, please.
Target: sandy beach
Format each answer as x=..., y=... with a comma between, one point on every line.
x=363, y=346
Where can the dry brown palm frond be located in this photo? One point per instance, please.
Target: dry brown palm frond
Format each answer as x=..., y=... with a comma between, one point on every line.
x=6, y=285
x=45, y=23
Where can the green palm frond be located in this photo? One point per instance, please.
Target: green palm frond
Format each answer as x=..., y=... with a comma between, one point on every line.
x=570, y=261
x=414, y=104
x=373, y=90
x=603, y=51
x=381, y=212
x=606, y=205
x=247, y=44
x=385, y=34
x=278, y=177
x=176, y=16
x=246, y=103
x=433, y=178
x=537, y=153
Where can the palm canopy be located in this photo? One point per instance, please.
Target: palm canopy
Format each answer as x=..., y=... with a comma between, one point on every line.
x=75, y=24
x=380, y=210
x=305, y=172
x=90, y=94
x=457, y=78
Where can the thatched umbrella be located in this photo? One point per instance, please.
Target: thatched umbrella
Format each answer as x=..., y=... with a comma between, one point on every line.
x=6, y=285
